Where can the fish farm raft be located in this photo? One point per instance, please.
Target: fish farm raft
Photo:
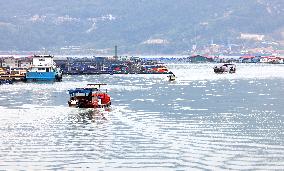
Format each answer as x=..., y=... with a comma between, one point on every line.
x=110, y=65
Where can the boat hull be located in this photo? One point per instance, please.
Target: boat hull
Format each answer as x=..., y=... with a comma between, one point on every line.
x=41, y=76
x=87, y=104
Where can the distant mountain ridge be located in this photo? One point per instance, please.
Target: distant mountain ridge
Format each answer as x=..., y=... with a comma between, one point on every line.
x=136, y=26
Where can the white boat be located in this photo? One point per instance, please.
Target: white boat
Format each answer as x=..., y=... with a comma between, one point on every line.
x=225, y=68
x=43, y=68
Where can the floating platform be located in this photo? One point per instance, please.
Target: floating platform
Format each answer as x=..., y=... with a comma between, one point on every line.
x=13, y=77
x=111, y=73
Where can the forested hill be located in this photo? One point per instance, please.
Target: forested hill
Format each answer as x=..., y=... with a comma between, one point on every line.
x=138, y=26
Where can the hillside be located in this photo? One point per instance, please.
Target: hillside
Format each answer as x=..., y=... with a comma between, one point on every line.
x=136, y=26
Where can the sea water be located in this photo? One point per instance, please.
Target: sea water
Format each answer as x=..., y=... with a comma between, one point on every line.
x=201, y=121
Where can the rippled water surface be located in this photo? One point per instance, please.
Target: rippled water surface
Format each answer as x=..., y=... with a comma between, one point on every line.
x=202, y=121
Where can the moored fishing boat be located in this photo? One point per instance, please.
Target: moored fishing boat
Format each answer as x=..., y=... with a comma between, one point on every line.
x=43, y=68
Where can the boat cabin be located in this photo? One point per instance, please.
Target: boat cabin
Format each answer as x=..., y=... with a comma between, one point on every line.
x=43, y=60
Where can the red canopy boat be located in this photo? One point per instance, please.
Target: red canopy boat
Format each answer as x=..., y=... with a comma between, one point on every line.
x=91, y=96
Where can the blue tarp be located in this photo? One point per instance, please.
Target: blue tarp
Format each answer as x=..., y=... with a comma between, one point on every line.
x=86, y=91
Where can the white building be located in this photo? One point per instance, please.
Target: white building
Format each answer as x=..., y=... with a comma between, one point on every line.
x=10, y=62
x=256, y=37
x=272, y=59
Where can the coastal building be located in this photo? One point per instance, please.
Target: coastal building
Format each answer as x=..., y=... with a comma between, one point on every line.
x=10, y=62
x=25, y=62
x=280, y=60
x=272, y=59
x=248, y=36
x=61, y=62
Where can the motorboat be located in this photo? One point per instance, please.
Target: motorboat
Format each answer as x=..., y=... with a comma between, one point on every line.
x=225, y=68
x=172, y=77
x=91, y=96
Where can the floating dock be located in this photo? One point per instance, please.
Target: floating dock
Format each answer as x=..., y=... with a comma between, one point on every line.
x=110, y=72
x=13, y=77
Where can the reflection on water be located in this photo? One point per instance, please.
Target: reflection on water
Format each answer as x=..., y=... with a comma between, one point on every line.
x=202, y=121
x=93, y=115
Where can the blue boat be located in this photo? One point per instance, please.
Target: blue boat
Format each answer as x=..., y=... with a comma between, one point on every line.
x=43, y=68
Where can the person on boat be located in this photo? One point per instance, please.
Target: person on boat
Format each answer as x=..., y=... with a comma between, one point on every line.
x=172, y=77
x=90, y=96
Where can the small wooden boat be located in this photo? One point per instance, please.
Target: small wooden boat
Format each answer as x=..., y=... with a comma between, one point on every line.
x=172, y=77
x=225, y=68
x=92, y=96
